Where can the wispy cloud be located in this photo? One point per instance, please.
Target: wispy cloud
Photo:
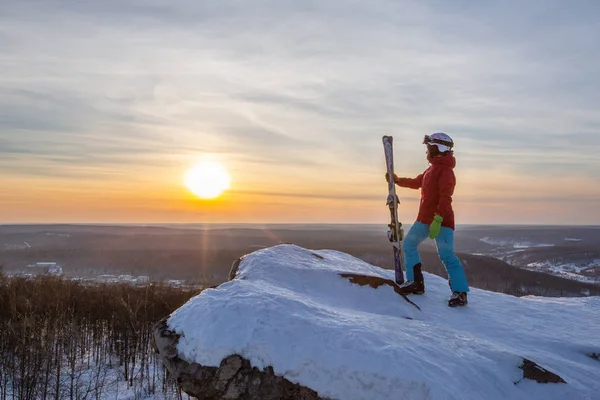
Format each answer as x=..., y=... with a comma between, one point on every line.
x=91, y=89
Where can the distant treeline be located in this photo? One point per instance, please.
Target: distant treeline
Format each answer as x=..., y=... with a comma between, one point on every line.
x=61, y=339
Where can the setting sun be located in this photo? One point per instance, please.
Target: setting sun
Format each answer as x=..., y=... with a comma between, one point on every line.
x=207, y=180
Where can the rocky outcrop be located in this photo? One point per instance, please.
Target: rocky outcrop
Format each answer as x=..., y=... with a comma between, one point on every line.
x=234, y=267
x=533, y=371
x=289, y=313
x=234, y=379
x=375, y=282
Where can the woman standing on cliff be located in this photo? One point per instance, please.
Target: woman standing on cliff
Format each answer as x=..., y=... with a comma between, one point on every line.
x=434, y=220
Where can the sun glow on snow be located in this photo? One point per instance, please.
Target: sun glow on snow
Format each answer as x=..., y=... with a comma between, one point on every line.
x=207, y=180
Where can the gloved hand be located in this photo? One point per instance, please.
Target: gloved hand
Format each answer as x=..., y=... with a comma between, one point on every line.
x=436, y=225
x=387, y=177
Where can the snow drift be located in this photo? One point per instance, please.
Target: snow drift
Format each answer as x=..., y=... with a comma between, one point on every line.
x=291, y=309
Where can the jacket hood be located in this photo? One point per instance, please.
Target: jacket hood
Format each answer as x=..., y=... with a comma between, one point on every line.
x=444, y=161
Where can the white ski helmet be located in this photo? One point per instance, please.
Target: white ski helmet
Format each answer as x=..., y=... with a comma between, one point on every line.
x=442, y=141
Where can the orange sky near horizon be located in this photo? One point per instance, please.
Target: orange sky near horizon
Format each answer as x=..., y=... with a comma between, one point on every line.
x=160, y=196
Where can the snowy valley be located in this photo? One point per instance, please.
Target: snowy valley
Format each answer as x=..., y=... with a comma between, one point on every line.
x=567, y=252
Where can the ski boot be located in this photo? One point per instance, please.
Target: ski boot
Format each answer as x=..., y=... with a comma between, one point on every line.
x=458, y=299
x=414, y=287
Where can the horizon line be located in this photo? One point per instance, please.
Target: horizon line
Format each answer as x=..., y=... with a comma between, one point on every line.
x=106, y=224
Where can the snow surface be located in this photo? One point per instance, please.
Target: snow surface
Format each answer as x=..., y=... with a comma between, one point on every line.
x=290, y=309
x=512, y=243
x=570, y=270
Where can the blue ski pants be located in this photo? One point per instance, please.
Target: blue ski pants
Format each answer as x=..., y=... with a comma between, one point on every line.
x=445, y=247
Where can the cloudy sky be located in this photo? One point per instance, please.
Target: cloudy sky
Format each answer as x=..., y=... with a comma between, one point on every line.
x=104, y=106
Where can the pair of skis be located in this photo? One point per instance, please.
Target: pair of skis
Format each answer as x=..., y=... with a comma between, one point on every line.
x=395, y=232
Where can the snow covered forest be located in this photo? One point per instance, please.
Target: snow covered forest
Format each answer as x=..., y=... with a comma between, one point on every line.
x=62, y=339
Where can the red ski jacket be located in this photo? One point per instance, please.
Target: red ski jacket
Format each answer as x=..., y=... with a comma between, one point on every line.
x=437, y=186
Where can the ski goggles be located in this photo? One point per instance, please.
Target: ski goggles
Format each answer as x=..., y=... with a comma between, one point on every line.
x=427, y=139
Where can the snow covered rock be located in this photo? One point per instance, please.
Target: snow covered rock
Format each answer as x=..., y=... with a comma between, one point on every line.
x=235, y=378
x=308, y=324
